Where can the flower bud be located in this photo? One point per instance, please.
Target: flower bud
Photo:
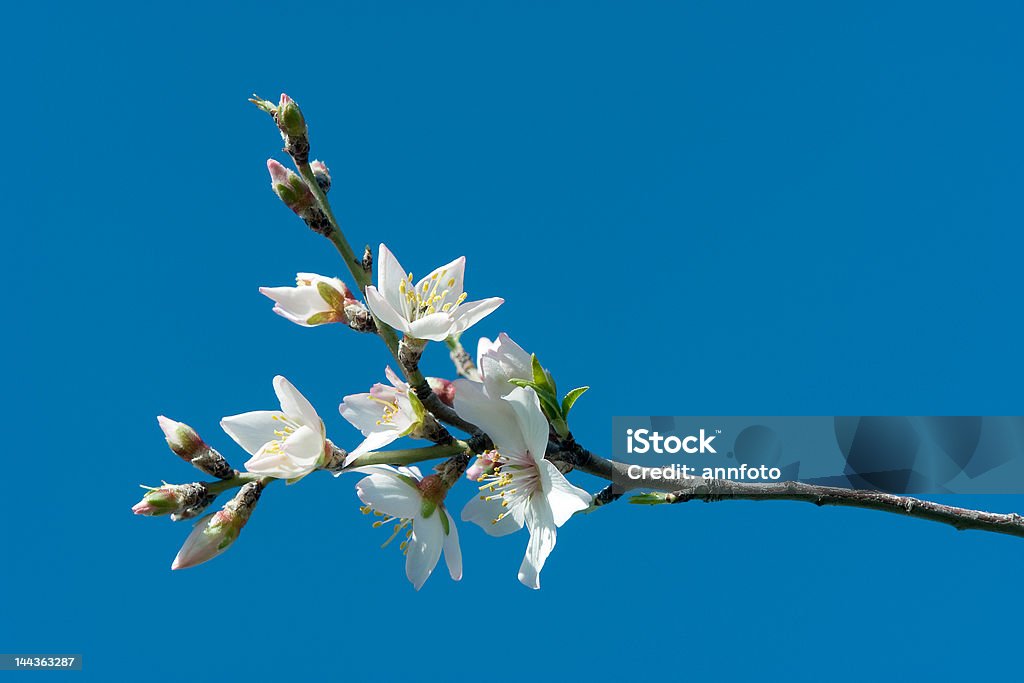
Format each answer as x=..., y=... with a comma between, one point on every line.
x=444, y=390
x=182, y=439
x=484, y=465
x=187, y=445
x=322, y=175
x=290, y=188
x=215, y=533
x=181, y=501
x=291, y=123
x=289, y=119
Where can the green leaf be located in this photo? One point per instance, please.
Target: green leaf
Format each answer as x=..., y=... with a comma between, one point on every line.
x=427, y=508
x=540, y=378
x=570, y=399
x=324, y=317
x=444, y=522
x=524, y=383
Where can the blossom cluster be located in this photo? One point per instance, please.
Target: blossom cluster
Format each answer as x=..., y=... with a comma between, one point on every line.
x=505, y=403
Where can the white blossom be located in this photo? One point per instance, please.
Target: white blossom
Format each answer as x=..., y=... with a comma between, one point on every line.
x=433, y=308
x=522, y=488
x=414, y=504
x=286, y=444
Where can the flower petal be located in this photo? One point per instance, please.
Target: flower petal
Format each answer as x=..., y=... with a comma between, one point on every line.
x=469, y=314
x=530, y=418
x=305, y=446
x=452, y=551
x=297, y=304
x=424, y=548
x=501, y=361
x=564, y=498
x=295, y=405
x=435, y=327
x=373, y=442
x=388, y=494
x=387, y=313
x=389, y=276
x=362, y=412
x=252, y=430
x=453, y=273
x=493, y=415
x=483, y=513
x=542, y=541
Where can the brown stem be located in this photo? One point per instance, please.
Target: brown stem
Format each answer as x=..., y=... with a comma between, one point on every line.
x=712, y=490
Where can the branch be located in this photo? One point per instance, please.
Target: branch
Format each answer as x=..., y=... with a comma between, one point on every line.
x=713, y=490
x=463, y=362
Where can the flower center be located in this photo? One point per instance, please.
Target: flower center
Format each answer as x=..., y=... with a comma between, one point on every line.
x=507, y=481
x=390, y=410
x=400, y=524
x=288, y=427
x=429, y=297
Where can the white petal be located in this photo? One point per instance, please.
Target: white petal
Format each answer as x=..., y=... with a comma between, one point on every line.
x=484, y=512
x=252, y=430
x=532, y=423
x=305, y=446
x=452, y=551
x=274, y=464
x=362, y=412
x=450, y=272
x=424, y=548
x=389, y=276
x=564, y=498
x=388, y=494
x=493, y=415
x=469, y=314
x=297, y=304
x=501, y=361
x=295, y=405
x=435, y=327
x=542, y=541
x=385, y=311
x=373, y=442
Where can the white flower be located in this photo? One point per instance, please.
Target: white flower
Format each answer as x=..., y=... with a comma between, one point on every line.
x=287, y=443
x=385, y=414
x=500, y=361
x=403, y=496
x=314, y=300
x=523, y=488
x=432, y=309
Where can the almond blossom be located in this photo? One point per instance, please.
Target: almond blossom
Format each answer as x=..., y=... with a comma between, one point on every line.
x=433, y=308
x=285, y=444
x=521, y=487
x=500, y=361
x=383, y=415
x=315, y=300
x=415, y=504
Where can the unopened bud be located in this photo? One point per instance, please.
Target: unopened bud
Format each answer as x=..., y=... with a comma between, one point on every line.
x=180, y=501
x=182, y=439
x=290, y=188
x=443, y=389
x=187, y=445
x=322, y=175
x=290, y=119
x=215, y=533
x=291, y=123
x=484, y=465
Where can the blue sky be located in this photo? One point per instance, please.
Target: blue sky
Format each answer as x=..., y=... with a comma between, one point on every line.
x=695, y=208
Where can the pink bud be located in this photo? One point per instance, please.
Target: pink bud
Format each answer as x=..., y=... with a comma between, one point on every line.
x=289, y=187
x=444, y=389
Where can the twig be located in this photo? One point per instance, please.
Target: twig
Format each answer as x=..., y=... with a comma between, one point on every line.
x=712, y=490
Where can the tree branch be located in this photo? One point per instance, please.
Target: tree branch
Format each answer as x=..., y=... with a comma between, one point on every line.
x=713, y=490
